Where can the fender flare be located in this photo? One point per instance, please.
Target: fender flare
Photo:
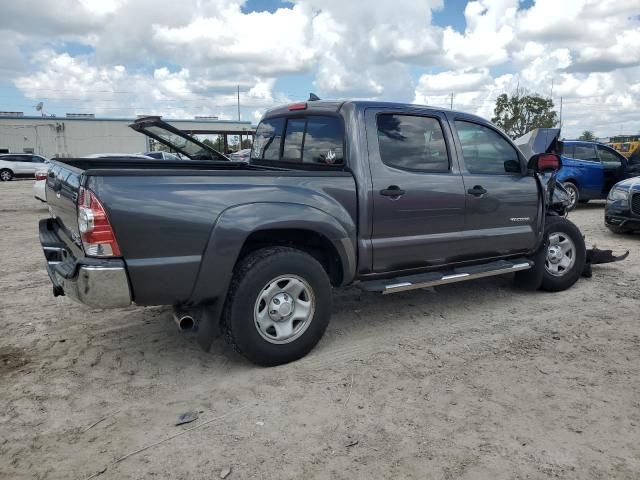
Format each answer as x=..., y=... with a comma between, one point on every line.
x=234, y=225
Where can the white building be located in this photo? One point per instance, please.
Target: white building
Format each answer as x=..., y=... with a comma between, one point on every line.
x=78, y=135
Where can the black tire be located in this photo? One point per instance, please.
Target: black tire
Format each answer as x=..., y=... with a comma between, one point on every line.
x=565, y=279
x=574, y=193
x=251, y=276
x=6, y=175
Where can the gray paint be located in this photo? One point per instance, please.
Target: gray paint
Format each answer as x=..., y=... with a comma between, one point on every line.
x=182, y=227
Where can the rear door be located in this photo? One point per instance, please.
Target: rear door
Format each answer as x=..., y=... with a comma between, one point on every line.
x=501, y=214
x=22, y=164
x=418, y=193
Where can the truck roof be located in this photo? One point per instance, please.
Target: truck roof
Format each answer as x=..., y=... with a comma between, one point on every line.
x=334, y=106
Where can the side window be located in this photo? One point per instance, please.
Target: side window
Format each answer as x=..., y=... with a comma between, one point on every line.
x=323, y=141
x=567, y=150
x=37, y=159
x=413, y=143
x=485, y=151
x=608, y=158
x=267, y=143
x=585, y=151
x=292, y=151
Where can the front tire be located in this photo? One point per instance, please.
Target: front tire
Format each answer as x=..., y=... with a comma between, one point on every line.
x=574, y=194
x=6, y=175
x=565, y=254
x=278, y=305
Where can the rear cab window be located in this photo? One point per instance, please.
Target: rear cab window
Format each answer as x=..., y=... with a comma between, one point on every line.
x=308, y=141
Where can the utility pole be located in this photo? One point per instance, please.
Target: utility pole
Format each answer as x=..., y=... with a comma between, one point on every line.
x=451, y=108
x=560, y=113
x=551, y=96
x=238, y=102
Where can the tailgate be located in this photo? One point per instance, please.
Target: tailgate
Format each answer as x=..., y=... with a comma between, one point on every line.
x=63, y=184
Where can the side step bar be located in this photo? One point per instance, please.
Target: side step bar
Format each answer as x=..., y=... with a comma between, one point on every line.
x=460, y=274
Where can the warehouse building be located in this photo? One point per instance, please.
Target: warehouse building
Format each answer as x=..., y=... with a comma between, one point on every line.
x=76, y=135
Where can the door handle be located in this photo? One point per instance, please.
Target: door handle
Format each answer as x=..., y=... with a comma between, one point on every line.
x=392, y=191
x=477, y=191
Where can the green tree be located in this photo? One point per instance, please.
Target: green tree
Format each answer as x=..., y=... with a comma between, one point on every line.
x=521, y=112
x=587, y=135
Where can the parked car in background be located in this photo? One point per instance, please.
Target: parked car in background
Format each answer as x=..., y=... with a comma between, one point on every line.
x=39, y=191
x=622, y=211
x=117, y=156
x=589, y=169
x=14, y=165
x=240, y=155
x=162, y=155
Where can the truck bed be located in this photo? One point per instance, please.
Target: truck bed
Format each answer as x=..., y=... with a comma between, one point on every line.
x=164, y=213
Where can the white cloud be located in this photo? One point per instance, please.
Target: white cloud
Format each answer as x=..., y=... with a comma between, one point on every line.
x=185, y=58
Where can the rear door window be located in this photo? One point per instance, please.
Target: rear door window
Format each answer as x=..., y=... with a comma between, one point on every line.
x=584, y=151
x=411, y=142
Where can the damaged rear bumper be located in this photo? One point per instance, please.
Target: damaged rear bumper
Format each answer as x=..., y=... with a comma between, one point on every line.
x=98, y=283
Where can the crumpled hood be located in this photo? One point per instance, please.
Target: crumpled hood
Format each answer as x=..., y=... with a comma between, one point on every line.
x=538, y=140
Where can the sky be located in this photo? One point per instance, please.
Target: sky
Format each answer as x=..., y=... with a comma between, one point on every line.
x=122, y=58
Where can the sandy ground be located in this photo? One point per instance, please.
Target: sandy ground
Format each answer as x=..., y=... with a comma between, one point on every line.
x=473, y=381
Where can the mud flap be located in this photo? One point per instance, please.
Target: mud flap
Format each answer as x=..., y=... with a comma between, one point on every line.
x=595, y=256
x=209, y=325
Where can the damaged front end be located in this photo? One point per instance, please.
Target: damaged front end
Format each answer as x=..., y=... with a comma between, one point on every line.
x=557, y=202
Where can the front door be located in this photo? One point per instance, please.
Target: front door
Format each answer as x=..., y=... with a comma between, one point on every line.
x=501, y=214
x=418, y=193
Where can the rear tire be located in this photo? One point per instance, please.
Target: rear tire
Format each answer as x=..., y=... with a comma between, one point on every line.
x=278, y=306
x=6, y=175
x=574, y=194
x=565, y=254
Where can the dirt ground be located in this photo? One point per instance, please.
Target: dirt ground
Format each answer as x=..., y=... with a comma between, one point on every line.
x=472, y=381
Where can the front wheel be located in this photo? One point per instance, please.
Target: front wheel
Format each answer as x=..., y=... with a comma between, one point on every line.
x=565, y=255
x=6, y=174
x=278, y=305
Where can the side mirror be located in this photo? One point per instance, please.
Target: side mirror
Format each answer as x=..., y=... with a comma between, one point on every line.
x=545, y=162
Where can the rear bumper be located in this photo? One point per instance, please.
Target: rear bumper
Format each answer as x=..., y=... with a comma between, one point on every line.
x=97, y=283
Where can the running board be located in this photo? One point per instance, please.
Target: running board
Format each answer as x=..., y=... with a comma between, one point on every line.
x=460, y=274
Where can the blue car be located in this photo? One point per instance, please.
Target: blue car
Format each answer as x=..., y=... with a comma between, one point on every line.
x=589, y=169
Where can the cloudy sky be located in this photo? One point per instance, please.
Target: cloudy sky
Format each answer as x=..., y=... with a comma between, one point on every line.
x=186, y=58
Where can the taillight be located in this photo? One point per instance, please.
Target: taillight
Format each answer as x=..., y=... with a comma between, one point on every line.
x=41, y=175
x=96, y=233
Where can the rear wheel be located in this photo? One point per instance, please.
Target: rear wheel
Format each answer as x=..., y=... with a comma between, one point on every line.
x=565, y=254
x=278, y=306
x=574, y=194
x=6, y=175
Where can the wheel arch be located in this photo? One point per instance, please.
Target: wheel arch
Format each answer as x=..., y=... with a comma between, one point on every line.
x=243, y=229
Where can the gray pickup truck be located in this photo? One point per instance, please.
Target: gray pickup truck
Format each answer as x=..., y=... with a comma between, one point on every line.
x=389, y=197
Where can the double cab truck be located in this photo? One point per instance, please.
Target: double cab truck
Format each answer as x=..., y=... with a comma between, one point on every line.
x=390, y=197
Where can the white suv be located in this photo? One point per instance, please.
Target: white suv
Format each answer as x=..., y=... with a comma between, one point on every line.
x=20, y=165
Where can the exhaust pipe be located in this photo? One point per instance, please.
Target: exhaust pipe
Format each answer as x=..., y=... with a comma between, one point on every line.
x=184, y=320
